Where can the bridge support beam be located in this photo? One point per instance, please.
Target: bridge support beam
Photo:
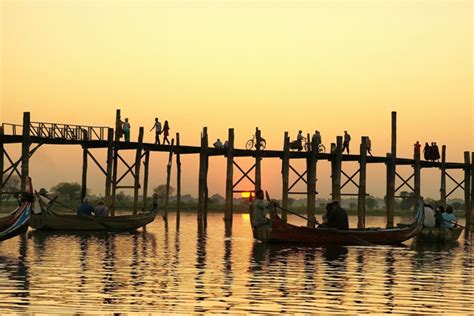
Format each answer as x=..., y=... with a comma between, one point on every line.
x=138, y=160
x=361, y=195
x=467, y=188
x=1, y=166
x=202, y=186
x=391, y=174
x=258, y=160
x=25, y=151
x=229, y=187
x=311, y=162
x=168, y=180
x=84, y=172
x=178, y=181
x=336, y=165
x=109, y=168
x=285, y=174
x=443, y=176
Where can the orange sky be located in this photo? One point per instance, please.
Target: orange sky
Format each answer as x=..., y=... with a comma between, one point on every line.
x=279, y=65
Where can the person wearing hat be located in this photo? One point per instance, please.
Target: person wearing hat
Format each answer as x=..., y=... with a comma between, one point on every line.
x=85, y=208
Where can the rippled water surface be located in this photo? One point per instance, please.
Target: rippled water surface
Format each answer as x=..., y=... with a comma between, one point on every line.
x=167, y=270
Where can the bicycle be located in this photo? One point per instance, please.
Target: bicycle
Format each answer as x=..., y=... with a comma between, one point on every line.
x=303, y=143
x=253, y=143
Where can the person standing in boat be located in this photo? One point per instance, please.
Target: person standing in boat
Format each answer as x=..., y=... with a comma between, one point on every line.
x=126, y=130
x=85, y=208
x=259, y=216
x=346, y=142
x=157, y=127
x=101, y=210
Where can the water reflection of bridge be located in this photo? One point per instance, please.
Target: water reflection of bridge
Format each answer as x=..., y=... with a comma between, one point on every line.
x=33, y=135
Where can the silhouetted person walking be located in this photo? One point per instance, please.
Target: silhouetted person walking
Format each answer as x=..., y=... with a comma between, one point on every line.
x=158, y=130
x=166, y=133
x=346, y=142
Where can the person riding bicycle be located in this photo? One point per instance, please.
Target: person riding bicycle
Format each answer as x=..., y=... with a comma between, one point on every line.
x=299, y=140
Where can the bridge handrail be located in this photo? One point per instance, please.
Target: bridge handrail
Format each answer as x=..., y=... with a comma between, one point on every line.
x=59, y=131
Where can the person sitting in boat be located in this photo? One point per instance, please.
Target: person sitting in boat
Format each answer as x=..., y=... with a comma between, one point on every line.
x=101, y=210
x=439, y=217
x=85, y=208
x=259, y=217
x=429, y=219
x=449, y=218
x=336, y=217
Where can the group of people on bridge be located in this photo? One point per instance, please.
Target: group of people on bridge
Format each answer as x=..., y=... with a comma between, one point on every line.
x=122, y=129
x=430, y=152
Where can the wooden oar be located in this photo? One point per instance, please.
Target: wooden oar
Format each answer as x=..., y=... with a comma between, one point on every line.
x=356, y=239
x=454, y=223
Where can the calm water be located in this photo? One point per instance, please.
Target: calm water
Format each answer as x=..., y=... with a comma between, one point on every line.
x=187, y=271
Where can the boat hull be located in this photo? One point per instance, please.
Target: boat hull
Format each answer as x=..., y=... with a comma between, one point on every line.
x=437, y=234
x=16, y=223
x=54, y=221
x=278, y=231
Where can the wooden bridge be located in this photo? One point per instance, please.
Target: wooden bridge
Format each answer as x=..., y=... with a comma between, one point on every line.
x=33, y=135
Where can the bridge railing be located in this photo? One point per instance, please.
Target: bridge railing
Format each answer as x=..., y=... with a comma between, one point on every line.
x=58, y=131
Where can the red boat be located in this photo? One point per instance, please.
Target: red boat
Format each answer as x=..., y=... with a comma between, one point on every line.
x=278, y=231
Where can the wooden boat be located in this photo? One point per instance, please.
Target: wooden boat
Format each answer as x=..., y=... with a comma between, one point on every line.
x=51, y=220
x=437, y=234
x=278, y=231
x=17, y=222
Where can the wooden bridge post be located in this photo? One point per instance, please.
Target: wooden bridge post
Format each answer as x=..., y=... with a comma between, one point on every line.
x=229, y=183
x=168, y=180
x=118, y=128
x=138, y=160
x=110, y=160
x=146, y=166
x=361, y=196
x=25, y=151
x=178, y=181
x=285, y=173
x=417, y=180
x=311, y=162
x=336, y=165
x=467, y=188
x=470, y=220
x=391, y=173
x=118, y=125
x=258, y=160
x=84, y=171
x=2, y=150
x=443, y=176
x=202, y=187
